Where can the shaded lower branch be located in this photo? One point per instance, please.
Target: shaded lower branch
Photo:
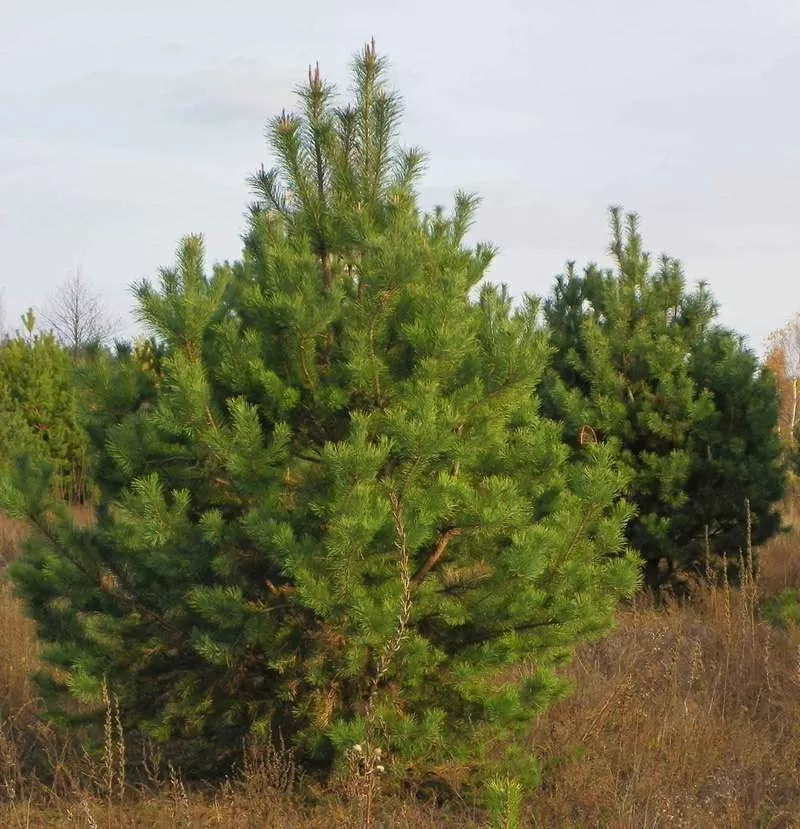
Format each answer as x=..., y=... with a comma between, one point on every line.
x=435, y=556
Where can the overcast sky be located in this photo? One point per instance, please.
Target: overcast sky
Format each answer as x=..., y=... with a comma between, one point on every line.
x=124, y=126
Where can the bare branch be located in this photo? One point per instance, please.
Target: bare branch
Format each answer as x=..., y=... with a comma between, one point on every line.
x=77, y=315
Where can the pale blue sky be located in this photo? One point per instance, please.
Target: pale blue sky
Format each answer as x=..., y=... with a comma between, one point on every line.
x=124, y=126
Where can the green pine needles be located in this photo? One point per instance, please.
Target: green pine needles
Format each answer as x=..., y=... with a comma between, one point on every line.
x=339, y=514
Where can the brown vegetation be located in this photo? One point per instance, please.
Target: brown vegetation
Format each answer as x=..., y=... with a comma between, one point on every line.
x=688, y=715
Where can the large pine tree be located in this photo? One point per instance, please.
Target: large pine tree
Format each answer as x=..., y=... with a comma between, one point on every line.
x=640, y=362
x=339, y=512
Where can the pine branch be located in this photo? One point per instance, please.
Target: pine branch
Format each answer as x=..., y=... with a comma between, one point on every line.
x=393, y=645
x=435, y=556
x=131, y=601
x=317, y=94
x=272, y=196
x=480, y=637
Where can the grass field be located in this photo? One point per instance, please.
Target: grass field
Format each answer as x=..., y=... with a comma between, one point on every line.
x=687, y=715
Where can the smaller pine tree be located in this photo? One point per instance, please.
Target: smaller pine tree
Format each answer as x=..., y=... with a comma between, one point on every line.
x=641, y=362
x=39, y=413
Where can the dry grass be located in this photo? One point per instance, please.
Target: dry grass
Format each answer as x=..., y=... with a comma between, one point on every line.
x=11, y=535
x=686, y=716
